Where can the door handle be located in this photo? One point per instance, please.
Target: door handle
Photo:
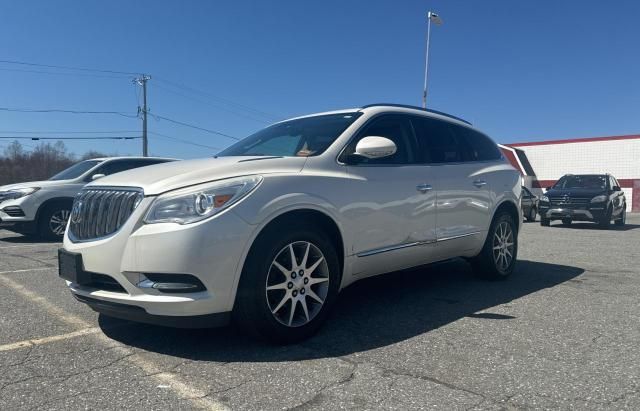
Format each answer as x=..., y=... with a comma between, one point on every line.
x=423, y=188
x=479, y=183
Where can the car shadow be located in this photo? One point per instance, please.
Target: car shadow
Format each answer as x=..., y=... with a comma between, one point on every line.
x=369, y=314
x=594, y=226
x=16, y=238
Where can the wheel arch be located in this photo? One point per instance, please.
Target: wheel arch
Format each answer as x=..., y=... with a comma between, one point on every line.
x=509, y=207
x=51, y=202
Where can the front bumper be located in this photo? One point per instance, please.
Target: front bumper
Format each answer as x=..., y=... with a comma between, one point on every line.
x=212, y=250
x=595, y=213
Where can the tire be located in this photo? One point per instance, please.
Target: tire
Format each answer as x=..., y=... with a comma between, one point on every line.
x=623, y=217
x=52, y=222
x=266, y=314
x=566, y=221
x=605, y=222
x=532, y=214
x=489, y=264
x=545, y=222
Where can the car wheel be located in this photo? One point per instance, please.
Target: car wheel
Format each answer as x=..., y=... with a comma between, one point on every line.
x=53, y=221
x=566, y=221
x=498, y=256
x=623, y=217
x=532, y=214
x=605, y=222
x=288, y=285
x=545, y=222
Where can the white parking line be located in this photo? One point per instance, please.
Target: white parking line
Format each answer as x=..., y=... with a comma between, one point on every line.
x=198, y=398
x=46, y=340
x=26, y=270
x=29, y=245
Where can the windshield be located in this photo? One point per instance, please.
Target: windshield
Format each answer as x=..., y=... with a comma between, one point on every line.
x=76, y=170
x=304, y=137
x=586, y=181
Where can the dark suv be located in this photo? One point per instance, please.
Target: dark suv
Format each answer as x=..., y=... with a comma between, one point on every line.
x=586, y=197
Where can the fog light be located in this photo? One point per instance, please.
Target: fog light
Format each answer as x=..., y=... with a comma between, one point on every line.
x=172, y=283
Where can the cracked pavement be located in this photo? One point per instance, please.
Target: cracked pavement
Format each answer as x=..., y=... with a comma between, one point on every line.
x=562, y=333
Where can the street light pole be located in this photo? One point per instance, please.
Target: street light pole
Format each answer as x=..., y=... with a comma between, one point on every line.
x=431, y=16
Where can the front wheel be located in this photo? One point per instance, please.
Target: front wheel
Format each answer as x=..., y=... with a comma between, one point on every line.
x=53, y=222
x=623, y=217
x=288, y=285
x=498, y=256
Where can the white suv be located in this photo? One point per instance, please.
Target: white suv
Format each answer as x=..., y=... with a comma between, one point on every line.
x=270, y=230
x=43, y=207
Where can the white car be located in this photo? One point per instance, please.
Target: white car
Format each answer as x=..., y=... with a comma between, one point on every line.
x=43, y=207
x=270, y=230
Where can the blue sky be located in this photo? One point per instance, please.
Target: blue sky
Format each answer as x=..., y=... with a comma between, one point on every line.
x=520, y=71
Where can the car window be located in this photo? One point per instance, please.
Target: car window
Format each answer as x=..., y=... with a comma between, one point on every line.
x=613, y=182
x=76, y=170
x=395, y=128
x=478, y=147
x=582, y=181
x=438, y=143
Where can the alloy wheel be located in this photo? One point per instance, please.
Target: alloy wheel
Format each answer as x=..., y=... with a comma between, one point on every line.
x=503, y=246
x=58, y=222
x=297, y=284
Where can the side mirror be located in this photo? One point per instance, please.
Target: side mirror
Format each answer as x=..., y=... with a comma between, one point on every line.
x=374, y=147
x=616, y=188
x=97, y=176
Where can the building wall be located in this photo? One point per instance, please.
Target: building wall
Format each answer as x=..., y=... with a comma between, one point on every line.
x=619, y=156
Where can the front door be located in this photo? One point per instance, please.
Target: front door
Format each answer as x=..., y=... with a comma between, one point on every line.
x=393, y=220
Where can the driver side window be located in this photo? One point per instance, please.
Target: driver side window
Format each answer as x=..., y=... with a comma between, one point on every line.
x=396, y=129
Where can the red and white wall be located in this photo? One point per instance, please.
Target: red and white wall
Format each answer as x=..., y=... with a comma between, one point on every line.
x=550, y=160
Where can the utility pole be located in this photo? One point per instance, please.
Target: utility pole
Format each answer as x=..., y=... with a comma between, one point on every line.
x=431, y=17
x=142, y=81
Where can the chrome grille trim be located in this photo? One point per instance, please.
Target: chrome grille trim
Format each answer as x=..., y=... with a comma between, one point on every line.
x=99, y=212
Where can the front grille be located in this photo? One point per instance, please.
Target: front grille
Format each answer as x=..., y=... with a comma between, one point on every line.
x=13, y=211
x=99, y=212
x=569, y=202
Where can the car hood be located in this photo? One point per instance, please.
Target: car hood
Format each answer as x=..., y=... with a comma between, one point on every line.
x=40, y=184
x=160, y=178
x=575, y=192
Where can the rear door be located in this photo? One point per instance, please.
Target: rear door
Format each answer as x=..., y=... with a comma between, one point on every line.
x=462, y=160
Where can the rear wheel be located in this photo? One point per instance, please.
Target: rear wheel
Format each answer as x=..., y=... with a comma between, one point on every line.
x=498, y=256
x=288, y=285
x=53, y=221
x=532, y=214
x=545, y=222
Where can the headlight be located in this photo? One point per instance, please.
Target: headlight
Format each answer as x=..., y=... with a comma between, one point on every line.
x=544, y=199
x=196, y=203
x=16, y=193
x=599, y=199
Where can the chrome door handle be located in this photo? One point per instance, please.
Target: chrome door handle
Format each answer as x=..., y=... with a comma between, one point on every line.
x=423, y=188
x=479, y=183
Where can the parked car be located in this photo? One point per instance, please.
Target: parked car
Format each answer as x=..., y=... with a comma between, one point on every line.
x=584, y=197
x=43, y=207
x=270, y=230
x=529, y=204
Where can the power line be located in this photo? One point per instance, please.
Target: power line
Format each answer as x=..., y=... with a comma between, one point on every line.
x=183, y=141
x=25, y=63
x=70, y=132
x=36, y=138
x=216, y=105
x=60, y=73
x=29, y=110
x=194, y=127
x=269, y=116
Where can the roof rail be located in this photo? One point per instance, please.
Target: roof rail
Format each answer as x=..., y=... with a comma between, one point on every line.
x=417, y=108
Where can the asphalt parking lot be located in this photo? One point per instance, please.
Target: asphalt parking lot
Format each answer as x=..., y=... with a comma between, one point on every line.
x=563, y=333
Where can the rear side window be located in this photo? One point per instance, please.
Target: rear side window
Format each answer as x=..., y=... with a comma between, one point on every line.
x=478, y=147
x=438, y=143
